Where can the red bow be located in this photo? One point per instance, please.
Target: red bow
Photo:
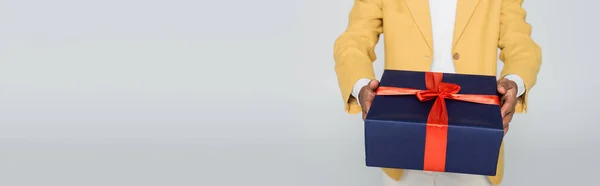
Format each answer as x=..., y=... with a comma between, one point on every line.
x=437, y=121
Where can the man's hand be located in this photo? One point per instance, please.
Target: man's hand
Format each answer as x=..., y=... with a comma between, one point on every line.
x=366, y=95
x=508, y=89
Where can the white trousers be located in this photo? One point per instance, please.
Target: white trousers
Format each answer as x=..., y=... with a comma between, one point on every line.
x=426, y=178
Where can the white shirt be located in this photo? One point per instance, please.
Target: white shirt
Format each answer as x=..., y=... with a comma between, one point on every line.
x=443, y=13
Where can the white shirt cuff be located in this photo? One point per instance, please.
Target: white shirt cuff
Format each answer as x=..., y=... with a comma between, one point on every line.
x=520, y=85
x=359, y=85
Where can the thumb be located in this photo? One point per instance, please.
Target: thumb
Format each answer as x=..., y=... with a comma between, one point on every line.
x=501, y=89
x=373, y=84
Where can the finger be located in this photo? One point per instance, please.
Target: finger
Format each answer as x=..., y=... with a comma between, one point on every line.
x=508, y=107
x=502, y=87
x=506, y=119
x=365, y=110
x=373, y=84
x=506, y=122
x=366, y=98
x=367, y=102
x=509, y=101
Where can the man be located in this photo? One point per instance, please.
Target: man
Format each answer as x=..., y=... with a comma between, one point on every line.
x=451, y=36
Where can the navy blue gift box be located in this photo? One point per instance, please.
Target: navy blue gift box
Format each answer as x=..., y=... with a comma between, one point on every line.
x=396, y=127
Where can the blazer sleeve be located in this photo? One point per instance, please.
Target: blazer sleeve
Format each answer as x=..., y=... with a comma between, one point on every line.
x=520, y=54
x=354, y=52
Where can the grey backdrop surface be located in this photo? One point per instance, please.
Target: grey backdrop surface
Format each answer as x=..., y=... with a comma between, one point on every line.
x=219, y=93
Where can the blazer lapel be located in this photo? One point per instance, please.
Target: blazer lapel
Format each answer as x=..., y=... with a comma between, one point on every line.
x=464, y=11
x=420, y=12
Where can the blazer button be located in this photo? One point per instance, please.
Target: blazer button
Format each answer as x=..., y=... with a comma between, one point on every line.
x=456, y=56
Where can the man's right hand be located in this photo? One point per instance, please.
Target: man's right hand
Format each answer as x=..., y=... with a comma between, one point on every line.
x=366, y=95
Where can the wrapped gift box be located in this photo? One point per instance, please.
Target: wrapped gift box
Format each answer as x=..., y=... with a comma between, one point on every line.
x=435, y=122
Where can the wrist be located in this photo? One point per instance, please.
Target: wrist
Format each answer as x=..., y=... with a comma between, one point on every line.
x=358, y=86
x=519, y=83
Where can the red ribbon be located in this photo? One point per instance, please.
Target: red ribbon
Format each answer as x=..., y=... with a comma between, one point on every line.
x=437, y=122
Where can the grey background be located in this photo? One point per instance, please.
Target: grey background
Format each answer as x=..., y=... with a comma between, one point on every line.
x=182, y=92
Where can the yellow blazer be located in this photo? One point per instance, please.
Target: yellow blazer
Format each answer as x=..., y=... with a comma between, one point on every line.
x=482, y=27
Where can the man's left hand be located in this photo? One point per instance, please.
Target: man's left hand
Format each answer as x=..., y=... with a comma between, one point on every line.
x=508, y=101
